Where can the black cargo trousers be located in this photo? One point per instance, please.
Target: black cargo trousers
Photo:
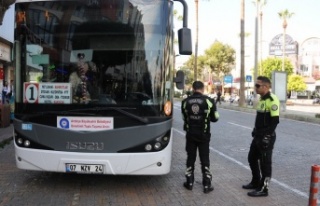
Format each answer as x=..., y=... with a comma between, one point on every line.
x=194, y=144
x=260, y=159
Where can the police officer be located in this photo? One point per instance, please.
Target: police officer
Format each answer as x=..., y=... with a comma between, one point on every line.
x=264, y=137
x=198, y=111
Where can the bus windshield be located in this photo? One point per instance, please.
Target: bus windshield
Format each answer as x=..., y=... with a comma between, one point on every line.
x=80, y=54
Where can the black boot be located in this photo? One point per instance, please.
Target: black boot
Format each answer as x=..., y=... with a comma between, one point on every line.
x=254, y=184
x=206, y=181
x=263, y=191
x=190, y=178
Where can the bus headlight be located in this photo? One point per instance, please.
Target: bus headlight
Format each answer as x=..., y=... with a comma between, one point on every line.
x=148, y=147
x=157, y=146
x=166, y=138
x=26, y=143
x=19, y=140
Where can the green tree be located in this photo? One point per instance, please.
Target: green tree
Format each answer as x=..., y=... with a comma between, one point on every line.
x=177, y=15
x=296, y=83
x=196, y=40
x=220, y=58
x=179, y=18
x=275, y=64
x=188, y=75
x=190, y=64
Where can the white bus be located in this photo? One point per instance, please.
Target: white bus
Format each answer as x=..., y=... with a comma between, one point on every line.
x=94, y=85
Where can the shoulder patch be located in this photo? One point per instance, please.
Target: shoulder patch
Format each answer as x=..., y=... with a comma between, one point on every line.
x=274, y=107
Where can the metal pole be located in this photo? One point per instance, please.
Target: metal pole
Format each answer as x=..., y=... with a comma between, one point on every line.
x=283, y=48
x=283, y=104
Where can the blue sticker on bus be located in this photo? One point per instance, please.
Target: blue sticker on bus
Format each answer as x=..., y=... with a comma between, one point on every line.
x=64, y=123
x=27, y=127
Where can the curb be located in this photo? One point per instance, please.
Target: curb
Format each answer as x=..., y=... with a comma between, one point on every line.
x=302, y=118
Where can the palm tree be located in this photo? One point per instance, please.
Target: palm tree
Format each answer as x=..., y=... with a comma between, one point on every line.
x=197, y=40
x=261, y=3
x=284, y=15
x=242, y=66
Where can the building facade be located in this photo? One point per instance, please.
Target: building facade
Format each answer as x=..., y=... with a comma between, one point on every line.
x=6, y=67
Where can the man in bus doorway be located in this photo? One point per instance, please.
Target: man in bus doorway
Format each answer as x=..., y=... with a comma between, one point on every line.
x=198, y=111
x=264, y=137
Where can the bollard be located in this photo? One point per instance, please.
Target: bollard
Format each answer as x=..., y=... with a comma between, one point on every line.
x=314, y=185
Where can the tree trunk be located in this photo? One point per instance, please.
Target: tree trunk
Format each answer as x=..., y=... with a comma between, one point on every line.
x=283, y=48
x=197, y=41
x=260, y=3
x=242, y=78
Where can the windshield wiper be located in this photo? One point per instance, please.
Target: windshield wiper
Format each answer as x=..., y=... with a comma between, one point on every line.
x=118, y=109
x=78, y=112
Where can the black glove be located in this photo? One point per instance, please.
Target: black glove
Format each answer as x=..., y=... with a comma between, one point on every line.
x=266, y=141
x=253, y=133
x=185, y=127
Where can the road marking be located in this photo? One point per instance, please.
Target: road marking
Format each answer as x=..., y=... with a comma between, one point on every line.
x=298, y=192
x=239, y=125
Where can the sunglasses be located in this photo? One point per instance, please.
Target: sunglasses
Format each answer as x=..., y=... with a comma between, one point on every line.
x=258, y=85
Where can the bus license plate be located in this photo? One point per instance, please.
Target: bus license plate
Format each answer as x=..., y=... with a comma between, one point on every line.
x=84, y=168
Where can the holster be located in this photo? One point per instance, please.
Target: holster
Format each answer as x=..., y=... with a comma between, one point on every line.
x=265, y=142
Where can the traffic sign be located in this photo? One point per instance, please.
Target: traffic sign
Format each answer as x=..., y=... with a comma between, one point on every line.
x=228, y=79
x=248, y=78
x=31, y=92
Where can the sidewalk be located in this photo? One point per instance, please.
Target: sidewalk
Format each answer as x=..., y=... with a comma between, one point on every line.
x=6, y=134
x=304, y=113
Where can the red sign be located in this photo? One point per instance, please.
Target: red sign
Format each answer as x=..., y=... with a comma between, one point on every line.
x=1, y=73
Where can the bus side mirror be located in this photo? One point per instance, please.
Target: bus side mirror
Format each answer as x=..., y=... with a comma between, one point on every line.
x=179, y=79
x=184, y=38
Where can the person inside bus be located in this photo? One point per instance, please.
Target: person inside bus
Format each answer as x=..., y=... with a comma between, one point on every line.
x=6, y=93
x=82, y=83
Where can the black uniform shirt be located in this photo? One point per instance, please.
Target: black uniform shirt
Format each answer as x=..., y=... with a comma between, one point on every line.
x=197, y=111
x=267, y=117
